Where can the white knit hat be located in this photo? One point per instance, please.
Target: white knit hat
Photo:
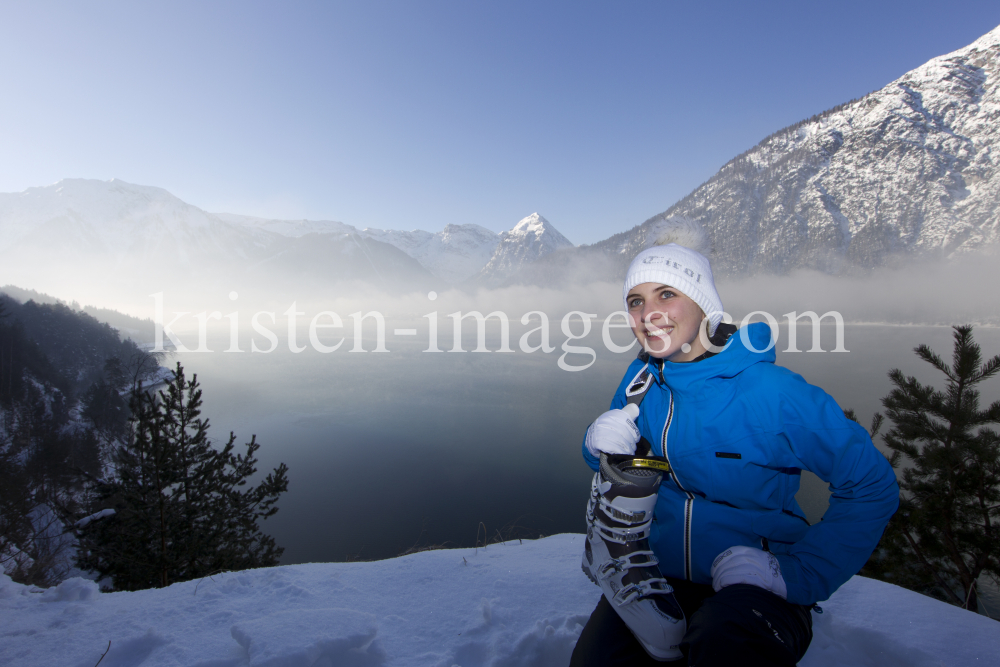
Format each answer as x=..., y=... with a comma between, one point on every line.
x=681, y=268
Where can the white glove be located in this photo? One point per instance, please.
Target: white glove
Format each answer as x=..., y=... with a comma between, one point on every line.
x=746, y=565
x=614, y=432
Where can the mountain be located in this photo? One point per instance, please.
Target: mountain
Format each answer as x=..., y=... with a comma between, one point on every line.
x=532, y=238
x=316, y=261
x=139, y=330
x=95, y=233
x=456, y=253
x=116, y=237
x=118, y=222
x=906, y=172
x=453, y=254
x=292, y=228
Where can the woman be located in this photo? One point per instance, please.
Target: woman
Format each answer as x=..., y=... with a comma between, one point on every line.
x=735, y=431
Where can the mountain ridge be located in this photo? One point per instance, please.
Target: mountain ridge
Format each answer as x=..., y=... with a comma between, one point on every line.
x=92, y=226
x=903, y=172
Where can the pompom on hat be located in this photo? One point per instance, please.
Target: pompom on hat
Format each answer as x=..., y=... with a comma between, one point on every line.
x=678, y=266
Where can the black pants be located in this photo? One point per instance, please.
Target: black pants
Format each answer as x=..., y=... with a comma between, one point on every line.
x=740, y=626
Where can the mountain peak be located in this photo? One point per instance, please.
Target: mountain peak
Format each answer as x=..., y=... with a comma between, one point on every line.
x=113, y=217
x=540, y=229
x=531, y=223
x=906, y=171
x=94, y=187
x=532, y=237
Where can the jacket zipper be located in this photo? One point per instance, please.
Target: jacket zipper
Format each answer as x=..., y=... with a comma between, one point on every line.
x=689, y=503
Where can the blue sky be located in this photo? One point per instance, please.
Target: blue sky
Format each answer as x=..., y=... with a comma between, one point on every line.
x=416, y=114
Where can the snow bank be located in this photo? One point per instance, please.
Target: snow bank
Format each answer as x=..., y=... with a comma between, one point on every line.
x=870, y=622
x=514, y=604
x=8, y=588
x=71, y=590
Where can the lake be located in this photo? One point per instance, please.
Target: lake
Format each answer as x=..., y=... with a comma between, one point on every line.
x=408, y=449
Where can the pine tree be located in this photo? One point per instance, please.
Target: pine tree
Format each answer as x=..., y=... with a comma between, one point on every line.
x=182, y=507
x=946, y=533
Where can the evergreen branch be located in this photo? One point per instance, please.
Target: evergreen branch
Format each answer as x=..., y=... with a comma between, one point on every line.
x=930, y=357
x=989, y=369
x=876, y=426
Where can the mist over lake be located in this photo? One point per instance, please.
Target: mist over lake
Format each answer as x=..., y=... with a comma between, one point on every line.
x=391, y=451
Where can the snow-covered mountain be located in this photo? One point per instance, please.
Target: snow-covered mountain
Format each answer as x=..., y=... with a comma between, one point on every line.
x=100, y=232
x=530, y=239
x=110, y=229
x=290, y=228
x=911, y=170
x=453, y=254
x=118, y=221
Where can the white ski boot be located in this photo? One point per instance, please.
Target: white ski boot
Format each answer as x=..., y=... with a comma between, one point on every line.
x=617, y=556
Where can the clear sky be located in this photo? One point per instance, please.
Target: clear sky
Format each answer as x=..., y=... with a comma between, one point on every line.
x=415, y=114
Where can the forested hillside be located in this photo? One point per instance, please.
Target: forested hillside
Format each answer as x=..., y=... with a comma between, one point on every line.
x=64, y=377
x=140, y=330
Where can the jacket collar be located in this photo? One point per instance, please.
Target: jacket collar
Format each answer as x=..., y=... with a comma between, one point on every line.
x=751, y=345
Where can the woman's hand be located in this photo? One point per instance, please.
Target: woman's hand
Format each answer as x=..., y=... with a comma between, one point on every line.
x=746, y=565
x=614, y=432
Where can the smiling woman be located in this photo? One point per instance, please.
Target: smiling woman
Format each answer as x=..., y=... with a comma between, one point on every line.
x=694, y=534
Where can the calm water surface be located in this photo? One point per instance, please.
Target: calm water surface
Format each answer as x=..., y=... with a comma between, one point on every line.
x=392, y=451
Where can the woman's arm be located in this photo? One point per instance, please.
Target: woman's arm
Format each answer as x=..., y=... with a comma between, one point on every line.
x=812, y=433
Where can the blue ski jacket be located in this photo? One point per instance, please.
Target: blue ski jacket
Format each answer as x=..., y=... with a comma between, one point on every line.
x=737, y=431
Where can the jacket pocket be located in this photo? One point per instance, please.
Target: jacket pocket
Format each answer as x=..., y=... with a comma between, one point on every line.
x=777, y=526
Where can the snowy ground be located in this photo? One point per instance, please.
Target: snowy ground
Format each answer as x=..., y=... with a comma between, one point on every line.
x=513, y=604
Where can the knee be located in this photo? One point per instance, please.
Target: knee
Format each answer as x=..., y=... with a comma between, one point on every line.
x=747, y=625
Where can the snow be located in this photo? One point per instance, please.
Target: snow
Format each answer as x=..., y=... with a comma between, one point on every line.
x=277, y=639
x=910, y=169
x=869, y=622
x=121, y=222
x=532, y=237
x=85, y=521
x=290, y=228
x=71, y=590
x=454, y=254
x=508, y=604
x=541, y=229
x=116, y=219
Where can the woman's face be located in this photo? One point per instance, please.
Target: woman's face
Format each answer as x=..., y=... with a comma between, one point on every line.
x=665, y=321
